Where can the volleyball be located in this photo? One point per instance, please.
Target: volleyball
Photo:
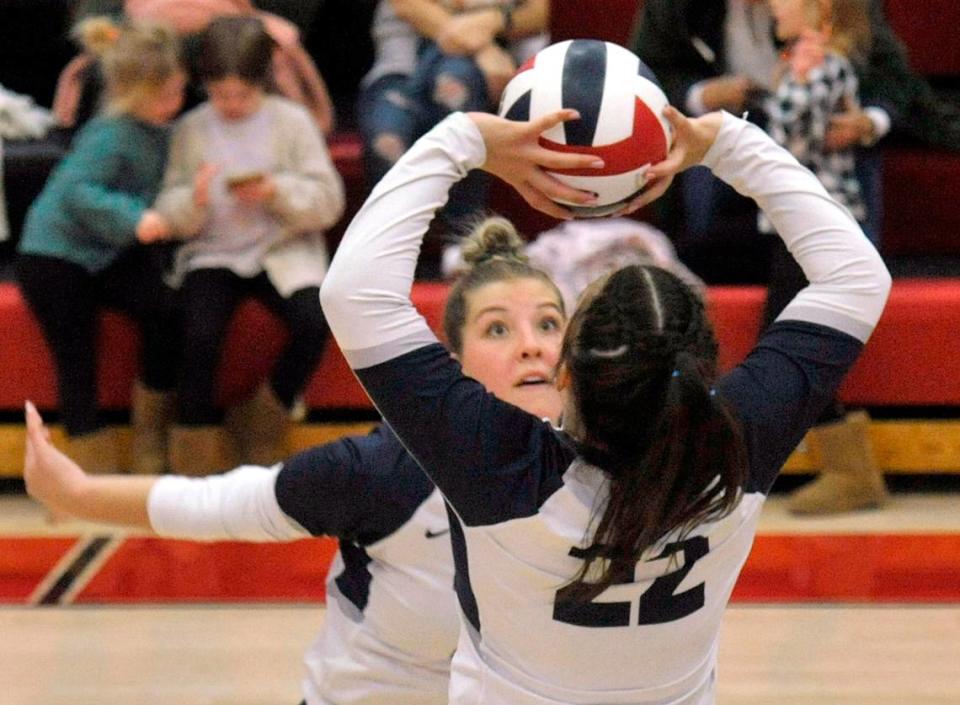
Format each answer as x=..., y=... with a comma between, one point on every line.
x=621, y=116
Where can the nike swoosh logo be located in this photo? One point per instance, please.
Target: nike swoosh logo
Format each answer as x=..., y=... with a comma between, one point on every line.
x=434, y=534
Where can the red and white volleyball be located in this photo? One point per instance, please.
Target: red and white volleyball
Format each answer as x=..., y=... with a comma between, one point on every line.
x=621, y=115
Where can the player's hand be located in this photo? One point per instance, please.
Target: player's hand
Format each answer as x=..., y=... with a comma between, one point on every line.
x=849, y=129
x=726, y=93
x=467, y=33
x=515, y=155
x=51, y=478
x=201, y=184
x=256, y=192
x=152, y=227
x=692, y=137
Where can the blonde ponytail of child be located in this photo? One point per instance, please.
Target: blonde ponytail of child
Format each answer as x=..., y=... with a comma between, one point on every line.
x=136, y=60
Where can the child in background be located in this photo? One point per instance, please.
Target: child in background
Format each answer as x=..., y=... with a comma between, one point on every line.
x=251, y=184
x=82, y=244
x=816, y=82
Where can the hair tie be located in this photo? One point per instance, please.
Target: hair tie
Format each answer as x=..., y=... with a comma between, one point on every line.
x=111, y=34
x=609, y=354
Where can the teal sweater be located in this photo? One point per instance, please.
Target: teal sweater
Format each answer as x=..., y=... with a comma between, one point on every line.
x=89, y=209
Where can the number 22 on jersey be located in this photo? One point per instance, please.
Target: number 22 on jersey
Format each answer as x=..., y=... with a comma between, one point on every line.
x=658, y=604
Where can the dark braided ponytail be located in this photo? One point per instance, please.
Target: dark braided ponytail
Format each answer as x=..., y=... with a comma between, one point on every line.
x=642, y=358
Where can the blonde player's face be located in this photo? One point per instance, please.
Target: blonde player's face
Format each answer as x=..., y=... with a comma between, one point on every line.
x=511, y=343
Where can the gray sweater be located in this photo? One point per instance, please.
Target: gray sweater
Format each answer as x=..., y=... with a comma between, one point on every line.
x=290, y=246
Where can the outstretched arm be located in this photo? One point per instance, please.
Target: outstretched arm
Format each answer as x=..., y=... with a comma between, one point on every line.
x=239, y=505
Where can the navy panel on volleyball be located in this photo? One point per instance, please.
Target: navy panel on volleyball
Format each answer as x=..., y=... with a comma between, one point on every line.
x=621, y=115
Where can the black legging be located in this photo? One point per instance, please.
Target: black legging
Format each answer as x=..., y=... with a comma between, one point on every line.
x=66, y=298
x=208, y=299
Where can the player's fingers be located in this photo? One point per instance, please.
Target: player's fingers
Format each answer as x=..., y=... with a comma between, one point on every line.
x=552, y=159
x=669, y=166
x=651, y=193
x=36, y=431
x=678, y=121
x=553, y=188
x=537, y=200
x=545, y=122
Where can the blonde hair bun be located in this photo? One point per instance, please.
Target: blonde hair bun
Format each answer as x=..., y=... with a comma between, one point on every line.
x=97, y=34
x=493, y=237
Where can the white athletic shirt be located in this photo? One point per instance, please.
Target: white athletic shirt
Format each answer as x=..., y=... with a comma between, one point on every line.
x=391, y=624
x=521, y=498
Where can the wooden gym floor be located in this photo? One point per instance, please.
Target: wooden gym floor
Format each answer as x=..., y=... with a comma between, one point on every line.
x=856, y=610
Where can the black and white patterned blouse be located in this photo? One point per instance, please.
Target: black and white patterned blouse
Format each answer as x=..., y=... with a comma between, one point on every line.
x=799, y=116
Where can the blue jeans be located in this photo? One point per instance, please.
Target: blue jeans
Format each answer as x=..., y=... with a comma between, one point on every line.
x=406, y=107
x=384, y=108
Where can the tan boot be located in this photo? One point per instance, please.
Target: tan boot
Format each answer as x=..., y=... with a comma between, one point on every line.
x=150, y=417
x=95, y=452
x=258, y=427
x=195, y=450
x=850, y=479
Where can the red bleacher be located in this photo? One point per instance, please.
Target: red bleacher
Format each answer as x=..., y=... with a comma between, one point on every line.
x=909, y=360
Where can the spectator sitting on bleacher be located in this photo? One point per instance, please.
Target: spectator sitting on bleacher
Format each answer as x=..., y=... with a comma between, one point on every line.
x=435, y=57
x=251, y=185
x=713, y=54
x=82, y=243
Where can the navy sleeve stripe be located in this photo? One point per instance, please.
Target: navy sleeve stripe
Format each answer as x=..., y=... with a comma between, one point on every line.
x=492, y=461
x=359, y=489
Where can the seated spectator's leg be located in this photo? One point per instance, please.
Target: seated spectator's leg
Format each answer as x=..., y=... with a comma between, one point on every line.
x=135, y=285
x=698, y=185
x=387, y=124
x=208, y=298
x=443, y=85
x=715, y=229
x=62, y=296
x=869, y=167
x=261, y=422
x=308, y=335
